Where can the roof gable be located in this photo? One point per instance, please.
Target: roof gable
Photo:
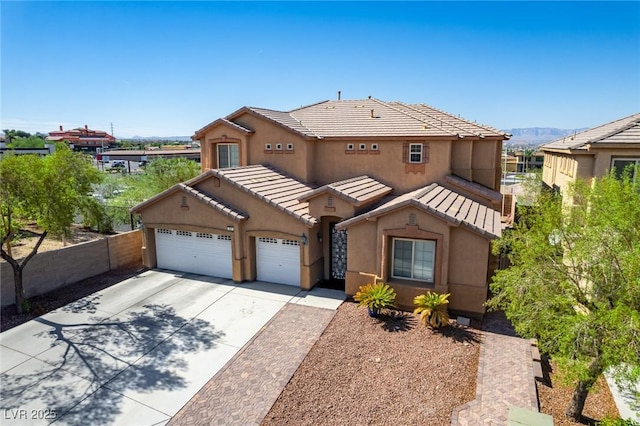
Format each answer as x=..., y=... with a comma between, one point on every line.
x=444, y=203
x=220, y=122
x=198, y=195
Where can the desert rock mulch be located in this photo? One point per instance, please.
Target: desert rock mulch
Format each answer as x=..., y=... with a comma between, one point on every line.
x=555, y=394
x=388, y=371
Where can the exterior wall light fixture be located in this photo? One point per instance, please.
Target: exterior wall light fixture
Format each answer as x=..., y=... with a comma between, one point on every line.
x=230, y=228
x=303, y=239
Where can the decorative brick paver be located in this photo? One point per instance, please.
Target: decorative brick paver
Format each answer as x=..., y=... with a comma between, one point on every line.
x=243, y=392
x=505, y=378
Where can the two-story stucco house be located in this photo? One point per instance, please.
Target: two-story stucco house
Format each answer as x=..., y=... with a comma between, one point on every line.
x=591, y=153
x=335, y=190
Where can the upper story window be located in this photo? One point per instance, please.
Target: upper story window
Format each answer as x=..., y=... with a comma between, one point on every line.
x=228, y=155
x=415, y=153
x=620, y=165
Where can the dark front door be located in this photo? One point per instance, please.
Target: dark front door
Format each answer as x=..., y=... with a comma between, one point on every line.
x=338, y=252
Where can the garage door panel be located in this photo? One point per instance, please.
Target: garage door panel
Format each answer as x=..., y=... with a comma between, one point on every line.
x=278, y=261
x=195, y=252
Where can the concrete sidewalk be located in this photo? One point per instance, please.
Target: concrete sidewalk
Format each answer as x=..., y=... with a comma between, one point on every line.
x=137, y=352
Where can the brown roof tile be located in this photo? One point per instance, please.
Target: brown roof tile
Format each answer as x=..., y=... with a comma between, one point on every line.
x=624, y=130
x=272, y=187
x=370, y=118
x=357, y=191
x=444, y=203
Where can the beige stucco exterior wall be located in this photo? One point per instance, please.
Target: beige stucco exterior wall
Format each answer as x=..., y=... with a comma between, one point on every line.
x=461, y=263
x=468, y=270
x=485, y=163
x=293, y=162
x=603, y=158
x=319, y=206
x=385, y=164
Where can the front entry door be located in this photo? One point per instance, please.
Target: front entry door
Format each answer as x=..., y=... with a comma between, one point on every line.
x=338, y=252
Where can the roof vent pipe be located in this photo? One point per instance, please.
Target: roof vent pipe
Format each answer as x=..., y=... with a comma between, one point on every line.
x=339, y=93
x=372, y=115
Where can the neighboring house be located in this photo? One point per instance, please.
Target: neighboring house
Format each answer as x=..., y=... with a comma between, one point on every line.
x=592, y=153
x=83, y=139
x=333, y=191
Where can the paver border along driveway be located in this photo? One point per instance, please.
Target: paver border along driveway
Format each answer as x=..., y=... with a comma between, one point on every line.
x=136, y=352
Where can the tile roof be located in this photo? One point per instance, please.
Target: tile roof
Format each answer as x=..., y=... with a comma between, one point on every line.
x=222, y=121
x=622, y=131
x=368, y=118
x=357, y=191
x=444, y=203
x=198, y=194
x=270, y=186
x=475, y=188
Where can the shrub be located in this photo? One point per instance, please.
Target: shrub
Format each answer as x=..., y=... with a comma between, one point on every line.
x=375, y=297
x=432, y=310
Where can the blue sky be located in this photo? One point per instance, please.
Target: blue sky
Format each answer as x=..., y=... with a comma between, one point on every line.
x=169, y=68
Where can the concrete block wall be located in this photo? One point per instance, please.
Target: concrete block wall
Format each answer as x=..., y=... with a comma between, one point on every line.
x=55, y=269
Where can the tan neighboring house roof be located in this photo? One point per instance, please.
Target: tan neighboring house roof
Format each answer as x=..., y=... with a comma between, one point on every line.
x=270, y=186
x=444, y=203
x=357, y=191
x=199, y=195
x=622, y=131
x=368, y=118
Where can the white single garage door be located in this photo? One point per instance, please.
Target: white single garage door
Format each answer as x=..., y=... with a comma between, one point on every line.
x=278, y=261
x=196, y=252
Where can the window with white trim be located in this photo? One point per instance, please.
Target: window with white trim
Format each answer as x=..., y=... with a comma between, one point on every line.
x=413, y=259
x=415, y=153
x=374, y=147
x=350, y=147
x=183, y=233
x=164, y=231
x=621, y=164
x=289, y=147
x=267, y=147
x=362, y=147
x=228, y=155
x=278, y=147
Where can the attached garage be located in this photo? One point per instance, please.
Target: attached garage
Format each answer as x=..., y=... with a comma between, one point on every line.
x=278, y=261
x=195, y=252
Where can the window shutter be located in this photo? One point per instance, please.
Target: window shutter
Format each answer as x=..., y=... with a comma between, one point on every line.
x=425, y=153
x=405, y=152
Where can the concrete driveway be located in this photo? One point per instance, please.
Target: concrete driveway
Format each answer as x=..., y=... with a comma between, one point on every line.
x=136, y=352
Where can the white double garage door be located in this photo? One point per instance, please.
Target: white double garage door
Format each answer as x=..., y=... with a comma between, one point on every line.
x=277, y=260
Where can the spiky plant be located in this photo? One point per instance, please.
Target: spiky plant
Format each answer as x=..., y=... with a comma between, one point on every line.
x=376, y=297
x=432, y=308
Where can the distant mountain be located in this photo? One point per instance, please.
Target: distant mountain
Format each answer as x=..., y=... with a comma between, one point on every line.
x=536, y=136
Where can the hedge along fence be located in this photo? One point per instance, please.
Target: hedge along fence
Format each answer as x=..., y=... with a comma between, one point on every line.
x=55, y=269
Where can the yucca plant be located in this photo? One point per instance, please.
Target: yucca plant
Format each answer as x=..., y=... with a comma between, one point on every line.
x=375, y=297
x=432, y=308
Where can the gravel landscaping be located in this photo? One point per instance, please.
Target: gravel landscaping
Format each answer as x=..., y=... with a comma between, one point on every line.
x=554, y=397
x=393, y=370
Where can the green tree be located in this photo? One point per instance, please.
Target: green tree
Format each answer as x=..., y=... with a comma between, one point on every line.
x=29, y=142
x=159, y=175
x=48, y=190
x=574, y=283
